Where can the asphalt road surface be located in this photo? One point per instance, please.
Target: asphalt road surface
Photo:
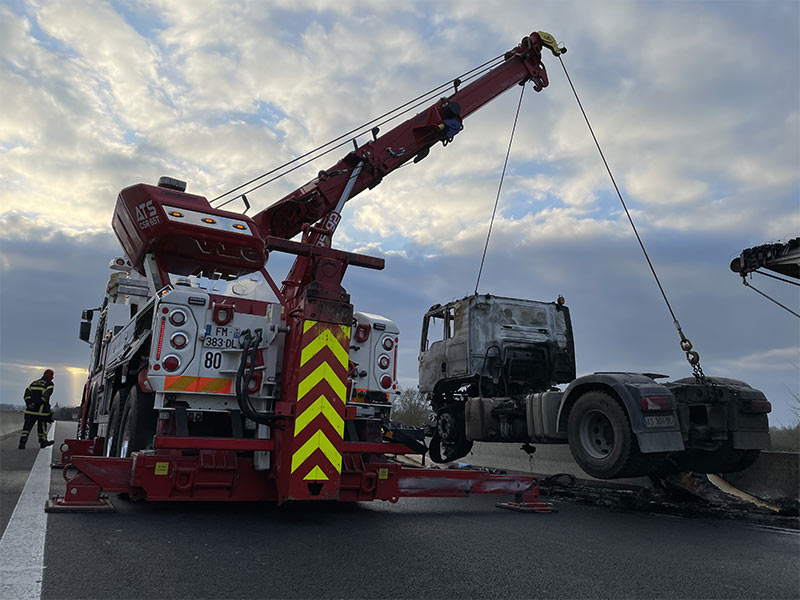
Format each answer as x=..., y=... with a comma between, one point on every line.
x=417, y=548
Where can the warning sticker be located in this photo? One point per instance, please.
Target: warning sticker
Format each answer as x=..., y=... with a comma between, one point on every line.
x=162, y=468
x=383, y=473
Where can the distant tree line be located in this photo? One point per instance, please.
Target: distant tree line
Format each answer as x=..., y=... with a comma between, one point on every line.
x=65, y=413
x=410, y=407
x=60, y=413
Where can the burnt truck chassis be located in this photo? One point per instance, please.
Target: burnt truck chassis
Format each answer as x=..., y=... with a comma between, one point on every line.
x=492, y=374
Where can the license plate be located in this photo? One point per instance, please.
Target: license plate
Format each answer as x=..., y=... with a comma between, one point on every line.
x=663, y=421
x=221, y=337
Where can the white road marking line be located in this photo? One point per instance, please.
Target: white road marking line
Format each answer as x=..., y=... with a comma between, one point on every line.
x=22, y=545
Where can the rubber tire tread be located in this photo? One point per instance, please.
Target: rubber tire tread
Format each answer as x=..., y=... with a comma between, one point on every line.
x=630, y=462
x=114, y=420
x=139, y=408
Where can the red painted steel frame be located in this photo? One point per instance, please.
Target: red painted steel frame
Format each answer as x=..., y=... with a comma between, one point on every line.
x=72, y=448
x=220, y=474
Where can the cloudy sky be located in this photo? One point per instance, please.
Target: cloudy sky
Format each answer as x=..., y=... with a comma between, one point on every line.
x=696, y=104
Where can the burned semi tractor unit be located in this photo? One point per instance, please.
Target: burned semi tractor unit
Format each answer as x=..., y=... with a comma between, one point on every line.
x=489, y=366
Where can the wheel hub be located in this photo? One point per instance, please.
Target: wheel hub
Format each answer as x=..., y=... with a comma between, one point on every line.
x=597, y=435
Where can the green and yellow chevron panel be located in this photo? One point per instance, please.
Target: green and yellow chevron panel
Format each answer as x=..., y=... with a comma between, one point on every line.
x=319, y=414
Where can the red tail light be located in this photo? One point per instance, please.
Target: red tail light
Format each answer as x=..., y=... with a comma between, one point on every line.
x=657, y=403
x=384, y=362
x=171, y=363
x=178, y=317
x=386, y=382
x=388, y=344
x=757, y=406
x=161, y=338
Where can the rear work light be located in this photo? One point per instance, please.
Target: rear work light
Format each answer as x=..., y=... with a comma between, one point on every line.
x=384, y=362
x=171, y=362
x=656, y=403
x=178, y=340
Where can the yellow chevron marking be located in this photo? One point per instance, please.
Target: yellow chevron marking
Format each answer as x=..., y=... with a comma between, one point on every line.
x=316, y=473
x=324, y=339
x=320, y=406
x=308, y=325
x=321, y=442
x=345, y=330
x=325, y=372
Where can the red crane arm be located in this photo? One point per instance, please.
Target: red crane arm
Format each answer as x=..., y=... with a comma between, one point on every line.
x=365, y=167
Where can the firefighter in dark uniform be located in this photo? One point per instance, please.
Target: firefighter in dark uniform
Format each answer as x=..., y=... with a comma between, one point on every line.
x=37, y=409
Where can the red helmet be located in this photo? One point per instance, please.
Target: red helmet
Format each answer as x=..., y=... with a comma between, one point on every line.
x=48, y=374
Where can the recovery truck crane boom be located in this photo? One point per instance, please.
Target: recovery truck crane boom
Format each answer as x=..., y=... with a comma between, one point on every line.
x=291, y=357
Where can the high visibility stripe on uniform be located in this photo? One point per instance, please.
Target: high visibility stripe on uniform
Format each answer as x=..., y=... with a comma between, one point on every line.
x=321, y=392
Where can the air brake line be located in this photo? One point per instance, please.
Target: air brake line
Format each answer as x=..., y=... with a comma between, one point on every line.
x=686, y=345
x=360, y=130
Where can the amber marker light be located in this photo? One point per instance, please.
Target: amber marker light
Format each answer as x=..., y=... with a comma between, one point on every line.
x=238, y=226
x=175, y=213
x=209, y=221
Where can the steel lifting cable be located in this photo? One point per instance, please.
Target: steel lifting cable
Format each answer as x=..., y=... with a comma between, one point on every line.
x=499, y=188
x=426, y=99
x=360, y=130
x=756, y=290
x=686, y=345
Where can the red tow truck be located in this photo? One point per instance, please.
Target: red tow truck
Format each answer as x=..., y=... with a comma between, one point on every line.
x=209, y=381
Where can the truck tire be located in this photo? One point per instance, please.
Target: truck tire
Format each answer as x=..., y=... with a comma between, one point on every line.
x=114, y=414
x=449, y=441
x=600, y=438
x=138, y=423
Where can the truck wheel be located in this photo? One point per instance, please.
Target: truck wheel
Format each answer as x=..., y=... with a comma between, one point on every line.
x=449, y=441
x=112, y=431
x=600, y=437
x=138, y=423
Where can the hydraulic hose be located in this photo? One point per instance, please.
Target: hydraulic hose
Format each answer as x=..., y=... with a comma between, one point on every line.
x=244, y=375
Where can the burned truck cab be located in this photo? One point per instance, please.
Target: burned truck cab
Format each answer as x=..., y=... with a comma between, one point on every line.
x=481, y=357
x=486, y=345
